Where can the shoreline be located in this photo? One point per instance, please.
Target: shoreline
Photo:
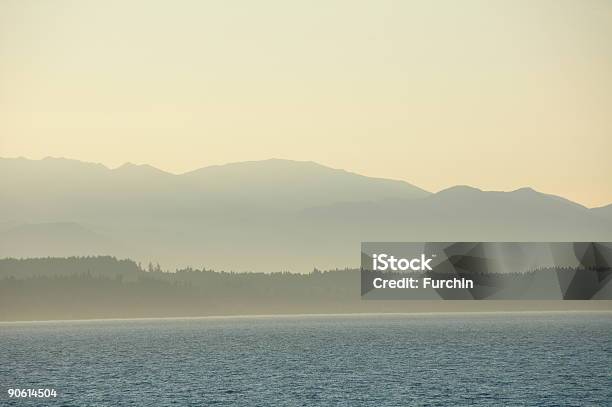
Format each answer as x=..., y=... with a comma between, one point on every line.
x=313, y=315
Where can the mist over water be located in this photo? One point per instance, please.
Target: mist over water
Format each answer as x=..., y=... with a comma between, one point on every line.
x=544, y=359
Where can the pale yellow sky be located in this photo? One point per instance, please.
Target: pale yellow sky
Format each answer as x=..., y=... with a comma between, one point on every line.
x=494, y=94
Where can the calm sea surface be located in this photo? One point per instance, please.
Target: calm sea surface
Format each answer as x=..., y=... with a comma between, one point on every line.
x=434, y=360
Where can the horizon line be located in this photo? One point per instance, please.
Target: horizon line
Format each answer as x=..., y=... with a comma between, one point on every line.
x=178, y=174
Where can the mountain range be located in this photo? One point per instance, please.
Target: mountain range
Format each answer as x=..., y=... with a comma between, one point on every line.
x=266, y=215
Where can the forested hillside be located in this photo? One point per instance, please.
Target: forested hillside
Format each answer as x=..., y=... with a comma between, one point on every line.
x=106, y=287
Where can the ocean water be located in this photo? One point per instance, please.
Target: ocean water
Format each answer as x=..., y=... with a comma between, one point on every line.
x=532, y=359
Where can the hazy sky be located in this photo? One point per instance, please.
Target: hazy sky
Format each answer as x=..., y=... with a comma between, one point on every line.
x=494, y=94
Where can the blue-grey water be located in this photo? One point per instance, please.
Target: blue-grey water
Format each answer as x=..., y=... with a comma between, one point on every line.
x=431, y=360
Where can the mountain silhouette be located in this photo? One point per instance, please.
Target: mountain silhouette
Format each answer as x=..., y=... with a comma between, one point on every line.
x=52, y=239
x=605, y=212
x=269, y=215
x=56, y=188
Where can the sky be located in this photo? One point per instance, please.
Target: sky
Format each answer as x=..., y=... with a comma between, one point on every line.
x=489, y=93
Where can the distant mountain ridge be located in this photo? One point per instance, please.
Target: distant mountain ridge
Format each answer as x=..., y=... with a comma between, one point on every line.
x=605, y=212
x=71, y=188
x=53, y=239
x=266, y=215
